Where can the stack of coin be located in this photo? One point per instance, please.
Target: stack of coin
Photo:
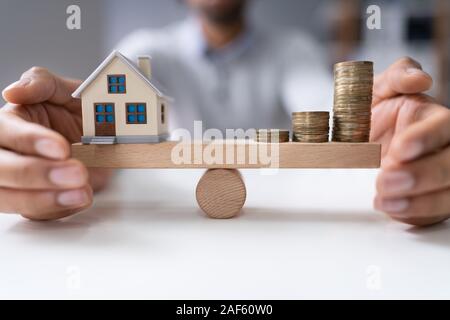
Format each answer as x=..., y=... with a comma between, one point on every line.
x=310, y=126
x=353, y=81
x=272, y=135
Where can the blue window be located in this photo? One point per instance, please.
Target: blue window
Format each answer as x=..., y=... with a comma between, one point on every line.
x=117, y=83
x=131, y=108
x=104, y=113
x=141, y=118
x=136, y=113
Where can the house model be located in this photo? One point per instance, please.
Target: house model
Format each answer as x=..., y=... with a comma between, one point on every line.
x=121, y=105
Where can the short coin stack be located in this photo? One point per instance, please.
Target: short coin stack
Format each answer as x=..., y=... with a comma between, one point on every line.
x=272, y=135
x=353, y=81
x=310, y=126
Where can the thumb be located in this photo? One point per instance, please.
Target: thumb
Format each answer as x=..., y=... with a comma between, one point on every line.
x=405, y=76
x=39, y=85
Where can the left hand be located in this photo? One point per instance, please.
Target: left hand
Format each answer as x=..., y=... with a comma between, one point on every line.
x=414, y=130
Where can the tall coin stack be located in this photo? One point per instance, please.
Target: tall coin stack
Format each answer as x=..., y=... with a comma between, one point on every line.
x=310, y=126
x=272, y=135
x=353, y=81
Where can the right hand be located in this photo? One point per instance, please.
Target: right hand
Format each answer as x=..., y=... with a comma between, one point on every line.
x=37, y=177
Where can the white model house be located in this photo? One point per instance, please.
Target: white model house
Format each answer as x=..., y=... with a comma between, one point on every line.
x=121, y=105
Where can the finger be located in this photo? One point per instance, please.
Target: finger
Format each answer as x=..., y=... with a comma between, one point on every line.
x=427, y=174
x=99, y=178
x=25, y=172
x=31, y=138
x=405, y=76
x=420, y=222
x=433, y=206
x=39, y=85
x=45, y=205
x=421, y=138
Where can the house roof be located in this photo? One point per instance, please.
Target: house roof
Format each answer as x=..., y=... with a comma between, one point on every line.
x=131, y=65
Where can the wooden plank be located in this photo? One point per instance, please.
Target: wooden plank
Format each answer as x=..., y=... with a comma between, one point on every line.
x=230, y=155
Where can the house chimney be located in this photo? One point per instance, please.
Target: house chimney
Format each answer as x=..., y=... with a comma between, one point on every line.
x=145, y=66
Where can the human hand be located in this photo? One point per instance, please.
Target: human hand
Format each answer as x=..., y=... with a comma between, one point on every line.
x=37, y=177
x=414, y=183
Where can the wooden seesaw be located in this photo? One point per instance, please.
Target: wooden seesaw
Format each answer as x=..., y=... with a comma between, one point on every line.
x=221, y=192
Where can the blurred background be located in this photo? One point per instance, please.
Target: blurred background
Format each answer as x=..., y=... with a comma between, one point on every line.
x=35, y=32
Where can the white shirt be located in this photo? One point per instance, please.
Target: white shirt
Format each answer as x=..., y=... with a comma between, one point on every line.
x=255, y=82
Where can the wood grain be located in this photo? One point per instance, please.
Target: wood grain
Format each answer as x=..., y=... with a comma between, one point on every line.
x=221, y=193
x=288, y=155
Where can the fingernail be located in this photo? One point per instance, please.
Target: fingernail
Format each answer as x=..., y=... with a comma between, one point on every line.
x=21, y=83
x=49, y=148
x=414, y=71
x=71, y=176
x=396, y=182
x=73, y=198
x=393, y=205
x=412, y=151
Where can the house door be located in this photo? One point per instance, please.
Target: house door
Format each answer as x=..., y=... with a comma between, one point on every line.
x=105, y=119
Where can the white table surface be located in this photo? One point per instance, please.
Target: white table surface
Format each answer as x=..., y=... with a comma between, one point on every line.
x=303, y=234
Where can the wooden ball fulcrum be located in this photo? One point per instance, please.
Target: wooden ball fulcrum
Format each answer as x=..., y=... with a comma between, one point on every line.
x=221, y=193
